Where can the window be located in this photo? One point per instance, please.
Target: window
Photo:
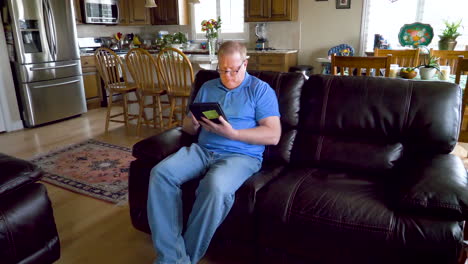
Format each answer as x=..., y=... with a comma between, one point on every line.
x=232, y=17
x=386, y=18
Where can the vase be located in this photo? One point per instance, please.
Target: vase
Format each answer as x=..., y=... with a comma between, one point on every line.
x=447, y=44
x=212, y=48
x=427, y=73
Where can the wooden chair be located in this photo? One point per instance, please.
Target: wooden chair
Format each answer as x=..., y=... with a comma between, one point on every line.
x=462, y=68
x=449, y=57
x=177, y=74
x=349, y=64
x=143, y=68
x=113, y=73
x=404, y=58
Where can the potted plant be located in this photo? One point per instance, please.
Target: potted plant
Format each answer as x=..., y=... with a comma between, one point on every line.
x=449, y=35
x=429, y=66
x=178, y=40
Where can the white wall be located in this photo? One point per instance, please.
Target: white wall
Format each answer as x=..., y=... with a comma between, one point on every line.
x=323, y=26
x=8, y=103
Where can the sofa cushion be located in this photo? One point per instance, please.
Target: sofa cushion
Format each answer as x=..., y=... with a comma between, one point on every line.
x=422, y=116
x=345, y=153
x=327, y=216
x=16, y=173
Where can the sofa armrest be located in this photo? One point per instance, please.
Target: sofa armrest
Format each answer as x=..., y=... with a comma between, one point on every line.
x=435, y=187
x=252, y=185
x=16, y=173
x=158, y=147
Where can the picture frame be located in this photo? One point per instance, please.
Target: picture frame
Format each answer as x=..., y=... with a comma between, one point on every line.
x=343, y=4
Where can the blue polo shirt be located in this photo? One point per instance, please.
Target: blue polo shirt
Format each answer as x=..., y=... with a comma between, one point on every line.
x=243, y=106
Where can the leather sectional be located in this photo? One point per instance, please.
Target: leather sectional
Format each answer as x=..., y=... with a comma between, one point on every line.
x=362, y=174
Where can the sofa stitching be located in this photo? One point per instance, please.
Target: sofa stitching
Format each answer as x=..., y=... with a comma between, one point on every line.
x=324, y=103
x=431, y=204
x=14, y=182
x=8, y=235
x=408, y=103
x=333, y=222
x=319, y=148
x=293, y=194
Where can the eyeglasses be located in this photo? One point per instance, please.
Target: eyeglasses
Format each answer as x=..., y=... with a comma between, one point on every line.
x=232, y=73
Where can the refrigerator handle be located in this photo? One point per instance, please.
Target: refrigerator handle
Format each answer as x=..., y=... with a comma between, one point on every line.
x=49, y=27
x=53, y=67
x=55, y=84
x=54, y=30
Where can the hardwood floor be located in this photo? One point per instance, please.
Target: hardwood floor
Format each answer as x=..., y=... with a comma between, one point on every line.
x=90, y=230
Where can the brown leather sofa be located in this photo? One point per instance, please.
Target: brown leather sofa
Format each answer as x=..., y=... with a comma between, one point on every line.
x=362, y=174
x=27, y=227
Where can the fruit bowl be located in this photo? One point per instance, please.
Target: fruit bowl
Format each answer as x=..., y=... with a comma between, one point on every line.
x=408, y=74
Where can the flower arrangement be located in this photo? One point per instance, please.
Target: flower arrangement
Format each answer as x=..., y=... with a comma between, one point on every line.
x=211, y=27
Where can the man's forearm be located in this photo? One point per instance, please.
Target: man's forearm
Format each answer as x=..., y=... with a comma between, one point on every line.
x=261, y=135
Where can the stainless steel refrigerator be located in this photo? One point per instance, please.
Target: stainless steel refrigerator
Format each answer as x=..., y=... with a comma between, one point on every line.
x=46, y=60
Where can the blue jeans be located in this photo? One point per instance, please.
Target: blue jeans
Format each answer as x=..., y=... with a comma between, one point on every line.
x=224, y=174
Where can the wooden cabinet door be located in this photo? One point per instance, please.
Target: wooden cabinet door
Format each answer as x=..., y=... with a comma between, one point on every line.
x=77, y=10
x=270, y=10
x=280, y=9
x=170, y=12
x=256, y=10
x=165, y=13
x=123, y=9
x=138, y=13
x=90, y=80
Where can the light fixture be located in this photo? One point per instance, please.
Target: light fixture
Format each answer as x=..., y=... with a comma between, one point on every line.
x=150, y=3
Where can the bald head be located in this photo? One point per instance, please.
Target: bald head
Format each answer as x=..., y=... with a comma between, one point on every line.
x=232, y=47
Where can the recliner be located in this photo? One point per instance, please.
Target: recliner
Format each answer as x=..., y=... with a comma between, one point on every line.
x=27, y=227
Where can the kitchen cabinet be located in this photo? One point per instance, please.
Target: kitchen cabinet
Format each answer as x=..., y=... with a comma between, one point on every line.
x=92, y=82
x=77, y=9
x=170, y=12
x=270, y=10
x=279, y=62
x=134, y=12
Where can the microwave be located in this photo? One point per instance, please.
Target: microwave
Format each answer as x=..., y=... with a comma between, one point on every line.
x=101, y=11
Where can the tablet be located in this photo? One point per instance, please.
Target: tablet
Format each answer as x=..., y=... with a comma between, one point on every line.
x=211, y=111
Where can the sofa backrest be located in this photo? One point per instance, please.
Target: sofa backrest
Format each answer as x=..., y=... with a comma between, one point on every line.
x=288, y=88
x=369, y=122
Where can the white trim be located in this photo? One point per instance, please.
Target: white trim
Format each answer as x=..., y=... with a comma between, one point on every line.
x=8, y=103
x=364, y=22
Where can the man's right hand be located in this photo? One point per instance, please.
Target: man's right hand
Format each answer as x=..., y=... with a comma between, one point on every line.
x=190, y=124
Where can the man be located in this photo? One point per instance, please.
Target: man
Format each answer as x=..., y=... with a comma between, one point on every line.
x=226, y=155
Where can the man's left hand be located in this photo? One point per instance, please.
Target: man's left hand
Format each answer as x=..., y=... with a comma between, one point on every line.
x=223, y=129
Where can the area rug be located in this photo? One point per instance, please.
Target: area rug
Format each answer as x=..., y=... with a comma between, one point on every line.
x=93, y=168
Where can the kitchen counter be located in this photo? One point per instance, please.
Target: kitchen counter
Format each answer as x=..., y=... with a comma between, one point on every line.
x=205, y=52
x=274, y=51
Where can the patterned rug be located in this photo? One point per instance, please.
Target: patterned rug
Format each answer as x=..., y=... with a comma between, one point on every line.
x=93, y=168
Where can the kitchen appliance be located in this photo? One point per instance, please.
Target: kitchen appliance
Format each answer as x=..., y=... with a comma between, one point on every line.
x=101, y=11
x=262, y=41
x=45, y=60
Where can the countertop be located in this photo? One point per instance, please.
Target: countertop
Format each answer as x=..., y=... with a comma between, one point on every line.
x=204, y=51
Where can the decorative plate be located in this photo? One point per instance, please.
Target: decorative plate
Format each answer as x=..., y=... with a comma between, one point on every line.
x=416, y=34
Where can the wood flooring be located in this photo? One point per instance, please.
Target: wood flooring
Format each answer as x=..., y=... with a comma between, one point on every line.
x=90, y=230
